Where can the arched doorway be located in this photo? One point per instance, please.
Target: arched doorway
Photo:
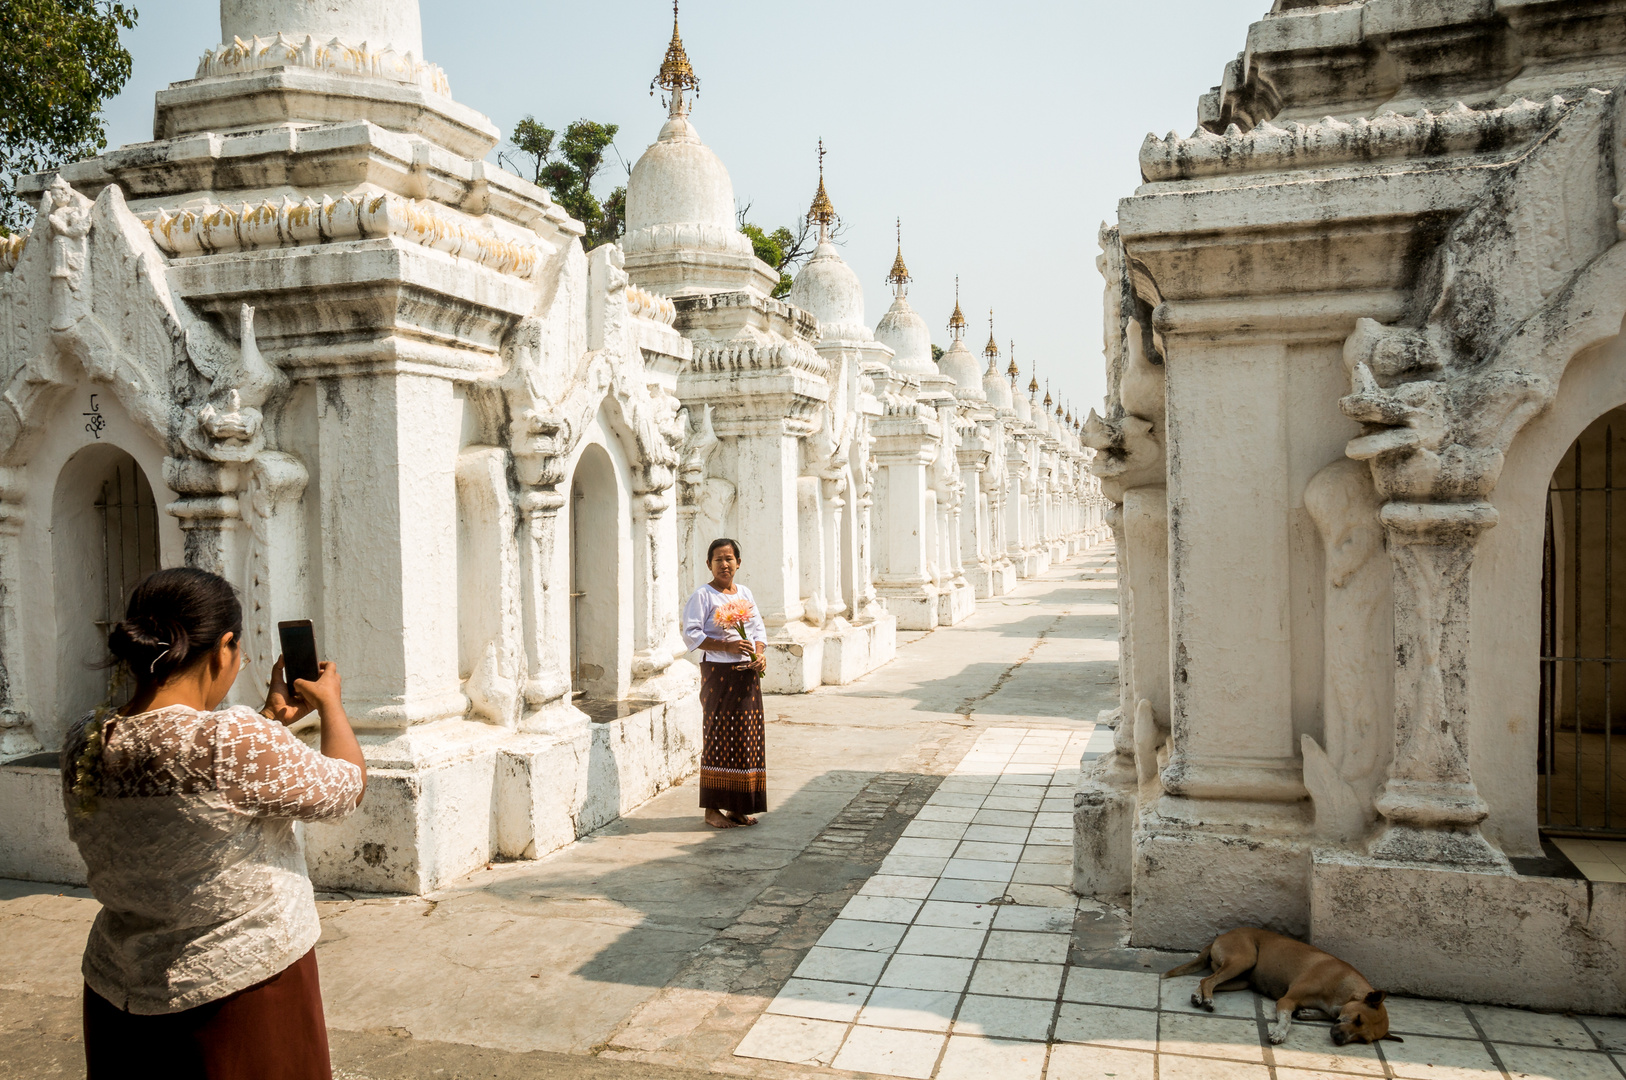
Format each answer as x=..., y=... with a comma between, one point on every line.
x=104, y=539
x=595, y=602
x=1581, y=757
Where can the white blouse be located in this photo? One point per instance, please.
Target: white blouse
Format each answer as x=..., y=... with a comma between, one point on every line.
x=192, y=852
x=698, y=624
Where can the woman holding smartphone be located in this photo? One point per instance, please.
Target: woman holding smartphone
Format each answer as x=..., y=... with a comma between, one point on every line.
x=202, y=961
x=733, y=758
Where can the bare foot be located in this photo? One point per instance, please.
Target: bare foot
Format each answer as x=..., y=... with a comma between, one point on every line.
x=718, y=820
x=740, y=819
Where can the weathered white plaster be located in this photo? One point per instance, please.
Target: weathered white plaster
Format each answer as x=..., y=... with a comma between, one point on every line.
x=1354, y=373
x=364, y=401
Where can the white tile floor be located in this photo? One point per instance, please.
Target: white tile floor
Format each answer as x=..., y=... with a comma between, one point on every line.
x=951, y=963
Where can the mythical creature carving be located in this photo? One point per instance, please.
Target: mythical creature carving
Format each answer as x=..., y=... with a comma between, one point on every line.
x=1129, y=449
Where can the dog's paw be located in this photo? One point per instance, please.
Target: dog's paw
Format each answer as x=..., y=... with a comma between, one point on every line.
x=1198, y=1001
x=1278, y=1036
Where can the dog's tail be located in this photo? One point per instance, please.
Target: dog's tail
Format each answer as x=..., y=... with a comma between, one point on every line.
x=1195, y=965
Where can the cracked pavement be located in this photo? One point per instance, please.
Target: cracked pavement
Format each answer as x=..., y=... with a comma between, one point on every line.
x=649, y=948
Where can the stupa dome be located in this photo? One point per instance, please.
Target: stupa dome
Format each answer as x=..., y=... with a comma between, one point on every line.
x=905, y=332
x=828, y=289
x=998, y=389
x=1024, y=408
x=962, y=367
x=680, y=196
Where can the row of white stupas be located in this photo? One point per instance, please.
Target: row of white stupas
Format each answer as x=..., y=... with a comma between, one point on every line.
x=907, y=487
x=310, y=339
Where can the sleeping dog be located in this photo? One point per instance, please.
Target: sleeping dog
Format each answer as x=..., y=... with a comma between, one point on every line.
x=1305, y=982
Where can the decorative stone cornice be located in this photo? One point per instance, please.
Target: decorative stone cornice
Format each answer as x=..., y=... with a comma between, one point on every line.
x=212, y=230
x=334, y=57
x=1331, y=142
x=736, y=356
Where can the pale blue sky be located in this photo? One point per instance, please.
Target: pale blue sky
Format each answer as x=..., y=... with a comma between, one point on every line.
x=1003, y=133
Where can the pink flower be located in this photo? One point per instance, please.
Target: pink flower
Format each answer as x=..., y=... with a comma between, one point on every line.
x=734, y=615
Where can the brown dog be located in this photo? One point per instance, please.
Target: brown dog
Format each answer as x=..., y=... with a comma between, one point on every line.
x=1304, y=981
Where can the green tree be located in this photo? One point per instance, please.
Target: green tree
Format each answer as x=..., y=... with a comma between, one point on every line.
x=567, y=167
x=59, y=61
x=937, y=352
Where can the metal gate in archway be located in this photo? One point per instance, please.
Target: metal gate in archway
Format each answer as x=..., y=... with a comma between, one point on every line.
x=1581, y=789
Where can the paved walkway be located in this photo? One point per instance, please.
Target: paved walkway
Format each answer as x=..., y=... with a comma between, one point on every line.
x=962, y=960
x=902, y=910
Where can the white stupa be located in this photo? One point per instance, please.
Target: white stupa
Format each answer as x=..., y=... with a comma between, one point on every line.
x=902, y=328
x=994, y=384
x=682, y=237
x=957, y=362
x=827, y=287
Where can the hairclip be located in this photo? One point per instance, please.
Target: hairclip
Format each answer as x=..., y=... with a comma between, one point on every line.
x=152, y=668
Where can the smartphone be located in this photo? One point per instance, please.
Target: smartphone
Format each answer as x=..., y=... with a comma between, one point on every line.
x=298, y=651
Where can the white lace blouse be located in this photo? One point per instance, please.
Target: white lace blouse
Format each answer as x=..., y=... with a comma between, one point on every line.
x=192, y=853
x=698, y=624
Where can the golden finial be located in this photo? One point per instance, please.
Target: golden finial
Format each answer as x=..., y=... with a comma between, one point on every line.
x=899, y=277
x=957, y=320
x=991, y=350
x=1033, y=383
x=1047, y=401
x=1012, y=372
x=823, y=212
x=676, y=75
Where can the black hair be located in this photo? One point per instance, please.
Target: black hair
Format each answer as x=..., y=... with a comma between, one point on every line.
x=721, y=542
x=174, y=619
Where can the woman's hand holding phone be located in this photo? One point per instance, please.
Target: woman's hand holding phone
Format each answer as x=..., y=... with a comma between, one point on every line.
x=323, y=694
x=280, y=705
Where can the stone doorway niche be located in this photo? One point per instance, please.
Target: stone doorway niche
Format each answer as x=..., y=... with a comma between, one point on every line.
x=104, y=540
x=1581, y=755
x=595, y=571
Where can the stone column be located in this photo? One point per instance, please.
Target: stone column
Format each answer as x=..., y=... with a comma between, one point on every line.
x=388, y=447
x=902, y=575
x=546, y=614
x=835, y=595
x=211, y=519
x=765, y=508
x=655, y=582
x=1232, y=708
x=17, y=736
x=1430, y=802
x=973, y=529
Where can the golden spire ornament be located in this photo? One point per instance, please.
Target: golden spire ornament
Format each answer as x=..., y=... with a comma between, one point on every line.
x=1047, y=401
x=823, y=212
x=899, y=278
x=676, y=76
x=1013, y=371
x=991, y=350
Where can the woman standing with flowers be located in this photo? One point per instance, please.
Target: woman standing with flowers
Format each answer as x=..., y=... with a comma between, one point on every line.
x=721, y=619
x=202, y=961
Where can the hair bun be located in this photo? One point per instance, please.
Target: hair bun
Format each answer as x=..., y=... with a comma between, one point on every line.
x=146, y=640
x=174, y=618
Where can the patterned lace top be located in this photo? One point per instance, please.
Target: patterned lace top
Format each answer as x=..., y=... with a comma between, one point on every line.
x=192, y=853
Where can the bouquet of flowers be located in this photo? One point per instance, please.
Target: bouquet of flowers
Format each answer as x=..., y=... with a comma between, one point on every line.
x=736, y=615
